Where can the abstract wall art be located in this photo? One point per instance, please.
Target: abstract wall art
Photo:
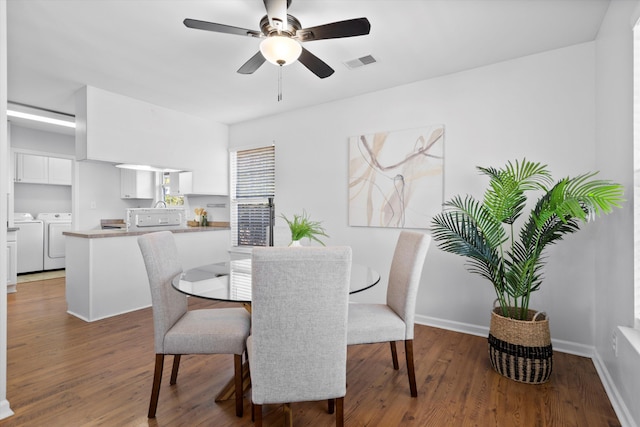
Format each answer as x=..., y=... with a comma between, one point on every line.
x=396, y=178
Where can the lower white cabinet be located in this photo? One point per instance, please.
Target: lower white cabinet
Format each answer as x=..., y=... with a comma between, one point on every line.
x=135, y=184
x=12, y=260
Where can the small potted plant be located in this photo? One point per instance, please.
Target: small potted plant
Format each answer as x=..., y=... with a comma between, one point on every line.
x=301, y=226
x=513, y=260
x=202, y=214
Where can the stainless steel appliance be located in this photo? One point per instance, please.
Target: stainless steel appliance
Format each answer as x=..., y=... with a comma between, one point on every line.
x=150, y=219
x=54, y=242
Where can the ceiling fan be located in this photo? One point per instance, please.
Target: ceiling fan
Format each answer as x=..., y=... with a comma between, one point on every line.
x=282, y=34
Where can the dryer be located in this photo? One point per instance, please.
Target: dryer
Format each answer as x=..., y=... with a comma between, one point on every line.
x=54, y=242
x=30, y=243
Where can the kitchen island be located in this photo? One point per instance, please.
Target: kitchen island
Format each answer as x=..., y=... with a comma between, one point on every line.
x=105, y=272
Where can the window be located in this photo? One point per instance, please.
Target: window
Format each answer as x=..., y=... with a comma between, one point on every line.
x=252, y=193
x=168, y=196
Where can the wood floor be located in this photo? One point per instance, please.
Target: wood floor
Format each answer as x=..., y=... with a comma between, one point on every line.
x=63, y=371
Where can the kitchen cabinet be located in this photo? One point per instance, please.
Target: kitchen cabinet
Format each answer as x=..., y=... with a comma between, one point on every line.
x=12, y=260
x=177, y=184
x=202, y=183
x=135, y=184
x=32, y=169
x=37, y=169
x=195, y=183
x=59, y=171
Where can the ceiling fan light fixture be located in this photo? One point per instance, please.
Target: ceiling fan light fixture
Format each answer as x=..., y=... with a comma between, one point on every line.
x=280, y=50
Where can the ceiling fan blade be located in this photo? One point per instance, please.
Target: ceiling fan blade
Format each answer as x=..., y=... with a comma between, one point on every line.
x=277, y=13
x=315, y=64
x=220, y=28
x=252, y=64
x=335, y=30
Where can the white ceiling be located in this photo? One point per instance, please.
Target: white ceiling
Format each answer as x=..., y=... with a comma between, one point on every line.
x=141, y=49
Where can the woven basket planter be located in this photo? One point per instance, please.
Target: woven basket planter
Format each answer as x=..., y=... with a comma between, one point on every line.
x=521, y=350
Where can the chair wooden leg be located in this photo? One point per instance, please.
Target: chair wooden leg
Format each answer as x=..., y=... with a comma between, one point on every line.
x=408, y=347
x=155, y=389
x=288, y=415
x=394, y=355
x=331, y=405
x=257, y=415
x=174, y=370
x=237, y=365
x=340, y=412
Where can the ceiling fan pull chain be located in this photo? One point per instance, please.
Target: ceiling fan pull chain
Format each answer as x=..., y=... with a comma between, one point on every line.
x=280, y=83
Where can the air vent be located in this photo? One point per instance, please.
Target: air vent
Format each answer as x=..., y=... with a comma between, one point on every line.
x=364, y=60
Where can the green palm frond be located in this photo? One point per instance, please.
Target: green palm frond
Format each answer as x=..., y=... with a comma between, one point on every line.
x=483, y=232
x=488, y=226
x=505, y=197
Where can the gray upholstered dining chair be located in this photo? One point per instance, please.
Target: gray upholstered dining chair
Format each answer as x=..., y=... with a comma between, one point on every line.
x=298, y=344
x=393, y=321
x=180, y=331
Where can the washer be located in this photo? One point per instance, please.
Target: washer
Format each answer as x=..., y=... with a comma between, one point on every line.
x=54, y=225
x=30, y=251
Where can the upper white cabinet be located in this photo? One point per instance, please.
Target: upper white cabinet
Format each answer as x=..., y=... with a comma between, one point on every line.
x=176, y=184
x=59, y=171
x=195, y=183
x=36, y=169
x=32, y=169
x=136, y=184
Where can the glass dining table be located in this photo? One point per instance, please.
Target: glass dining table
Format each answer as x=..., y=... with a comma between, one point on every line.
x=231, y=280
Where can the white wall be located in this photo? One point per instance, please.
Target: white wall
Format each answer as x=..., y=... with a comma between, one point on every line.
x=614, y=252
x=42, y=141
x=96, y=195
x=541, y=107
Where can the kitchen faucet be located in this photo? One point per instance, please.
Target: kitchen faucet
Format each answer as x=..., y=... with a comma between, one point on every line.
x=160, y=202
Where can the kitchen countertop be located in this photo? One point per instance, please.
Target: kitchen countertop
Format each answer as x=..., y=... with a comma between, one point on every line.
x=93, y=234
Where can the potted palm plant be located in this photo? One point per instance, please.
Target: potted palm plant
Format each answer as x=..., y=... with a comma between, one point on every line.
x=513, y=259
x=302, y=226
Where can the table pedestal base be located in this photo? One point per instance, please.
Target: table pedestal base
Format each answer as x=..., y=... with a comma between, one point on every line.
x=228, y=391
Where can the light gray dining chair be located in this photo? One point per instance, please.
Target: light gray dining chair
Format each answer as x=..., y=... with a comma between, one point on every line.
x=180, y=331
x=298, y=344
x=393, y=321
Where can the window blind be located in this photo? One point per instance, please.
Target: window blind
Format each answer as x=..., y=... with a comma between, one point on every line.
x=252, y=194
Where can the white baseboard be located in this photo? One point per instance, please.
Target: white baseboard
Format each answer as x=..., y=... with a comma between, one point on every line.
x=483, y=331
x=5, y=410
x=625, y=418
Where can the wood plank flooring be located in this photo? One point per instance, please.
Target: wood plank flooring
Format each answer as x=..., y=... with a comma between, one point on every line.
x=63, y=371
